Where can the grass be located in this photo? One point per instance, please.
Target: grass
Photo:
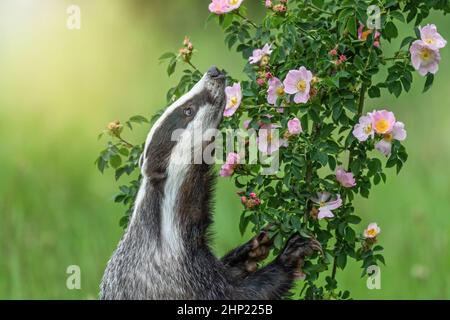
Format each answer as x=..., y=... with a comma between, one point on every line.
x=56, y=210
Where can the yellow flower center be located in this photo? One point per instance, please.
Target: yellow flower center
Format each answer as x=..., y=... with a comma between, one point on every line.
x=372, y=232
x=382, y=126
x=280, y=91
x=264, y=60
x=429, y=41
x=233, y=102
x=368, y=129
x=233, y=2
x=388, y=137
x=426, y=54
x=365, y=34
x=301, y=85
x=269, y=137
x=322, y=203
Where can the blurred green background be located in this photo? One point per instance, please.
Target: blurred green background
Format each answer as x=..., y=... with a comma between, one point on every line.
x=59, y=88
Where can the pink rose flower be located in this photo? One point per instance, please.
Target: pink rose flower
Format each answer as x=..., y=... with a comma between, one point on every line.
x=268, y=139
x=325, y=205
x=383, y=121
x=298, y=82
x=430, y=36
x=233, y=4
x=224, y=6
x=218, y=7
x=246, y=124
x=372, y=231
x=364, y=129
x=231, y=163
x=258, y=54
x=398, y=133
x=275, y=91
x=268, y=3
x=294, y=126
x=234, y=98
x=423, y=58
x=346, y=179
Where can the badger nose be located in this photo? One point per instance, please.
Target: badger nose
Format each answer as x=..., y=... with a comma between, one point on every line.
x=213, y=72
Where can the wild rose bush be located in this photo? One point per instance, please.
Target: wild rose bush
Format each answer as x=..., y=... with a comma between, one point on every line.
x=309, y=73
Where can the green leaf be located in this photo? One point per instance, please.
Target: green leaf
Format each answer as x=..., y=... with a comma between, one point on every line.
x=115, y=161
x=428, y=82
x=138, y=119
x=171, y=67
x=395, y=88
x=341, y=261
x=390, y=30
x=243, y=223
x=351, y=26
x=397, y=15
x=353, y=219
x=407, y=41
x=374, y=92
x=167, y=55
x=350, y=235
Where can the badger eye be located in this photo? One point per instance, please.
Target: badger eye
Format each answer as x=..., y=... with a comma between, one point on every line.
x=188, y=111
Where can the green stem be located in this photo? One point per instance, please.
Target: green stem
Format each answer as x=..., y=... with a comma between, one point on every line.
x=309, y=170
x=333, y=272
x=129, y=145
x=362, y=93
x=192, y=66
x=246, y=19
x=320, y=10
x=306, y=33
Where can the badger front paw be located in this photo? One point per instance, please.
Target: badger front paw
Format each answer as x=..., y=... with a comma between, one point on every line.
x=295, y=251
x=258, y=250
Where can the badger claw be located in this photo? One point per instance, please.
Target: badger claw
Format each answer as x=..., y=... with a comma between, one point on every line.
x=259, y=250
x=296, y=249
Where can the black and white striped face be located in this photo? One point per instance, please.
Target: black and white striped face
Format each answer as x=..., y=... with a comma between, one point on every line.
x=174, y=137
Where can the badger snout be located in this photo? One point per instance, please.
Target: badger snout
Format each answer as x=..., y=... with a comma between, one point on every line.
x=215, y=73
x=215, y=86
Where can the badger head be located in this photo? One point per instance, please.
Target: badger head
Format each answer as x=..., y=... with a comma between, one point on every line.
x=179, y=134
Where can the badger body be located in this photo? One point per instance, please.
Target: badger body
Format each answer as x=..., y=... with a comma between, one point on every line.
x=164, y=252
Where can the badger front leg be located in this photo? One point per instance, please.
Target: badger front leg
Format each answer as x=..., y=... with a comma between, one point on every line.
x=243, y=260
x=276, y=279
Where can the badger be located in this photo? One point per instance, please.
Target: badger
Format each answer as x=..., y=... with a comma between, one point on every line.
x=164, y=252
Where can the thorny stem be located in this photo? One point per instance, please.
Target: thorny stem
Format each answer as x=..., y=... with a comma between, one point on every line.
x=193, y=67
x=129, y=145
x=246, y=19
x=320, y=10
x=393, y=58
x=309, y=169
x=362, y=93
x=306, y=33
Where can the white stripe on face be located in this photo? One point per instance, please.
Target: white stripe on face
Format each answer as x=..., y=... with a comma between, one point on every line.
x=179, y=164
x=199, y=86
